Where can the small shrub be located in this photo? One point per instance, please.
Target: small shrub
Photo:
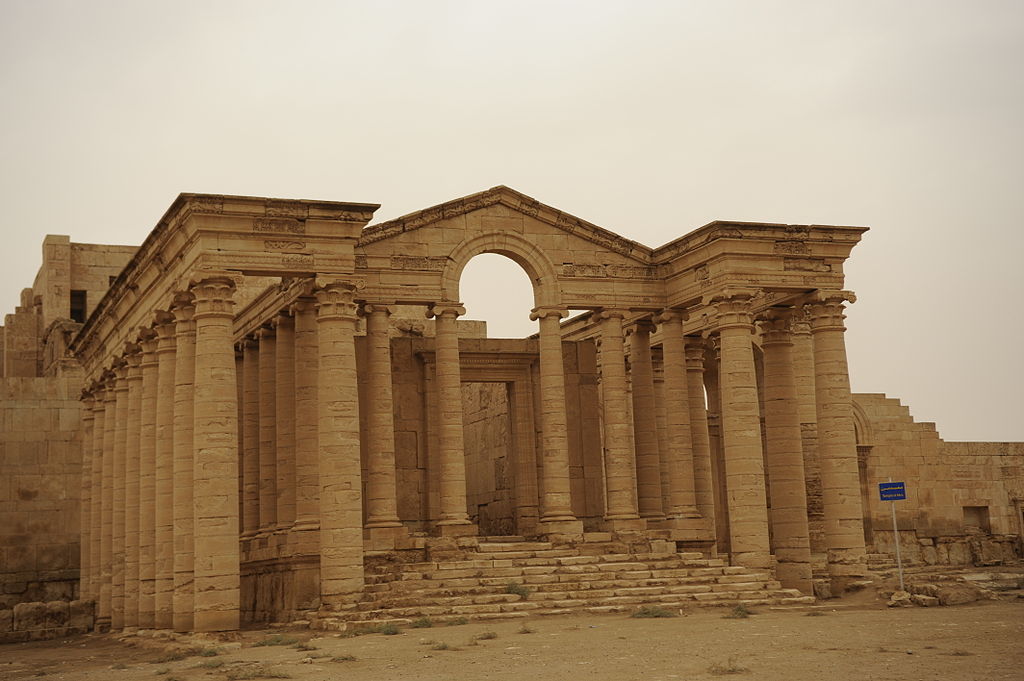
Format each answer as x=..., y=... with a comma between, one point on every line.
x=740, y=612
x=440, y=646
x=343, y=658
x=422, y=623
x=277, y=640
x=458, y=621
x=257, y=672
x=526, y=630
x=651, y=611
x=303, y=646
x=388, y=629
x=518, y=590
x=728, y=667
x=815, y=613
x=486, y=636
x=206, y=652
x=173, y=656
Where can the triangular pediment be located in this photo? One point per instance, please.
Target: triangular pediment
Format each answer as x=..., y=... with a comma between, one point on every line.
x=516, y=201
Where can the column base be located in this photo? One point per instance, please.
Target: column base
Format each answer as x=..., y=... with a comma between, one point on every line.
x=844, y=567
x=625, y=524
x=455, y=529
x=688, y=527
x=795, y=576
x=383, y=538
x=570, y=527
x=752, y=559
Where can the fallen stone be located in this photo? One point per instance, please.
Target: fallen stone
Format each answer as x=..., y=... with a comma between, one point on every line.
x=900, y=599
x=924, y=601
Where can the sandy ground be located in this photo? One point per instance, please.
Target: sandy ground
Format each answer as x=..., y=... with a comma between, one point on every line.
x=982, y=641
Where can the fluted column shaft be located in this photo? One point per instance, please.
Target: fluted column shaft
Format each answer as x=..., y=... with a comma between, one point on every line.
x=117, y=619
x=147, y=481
x=448, y=372
x=268, y=430
x=250, y=438
x=85, y=499
x=307, y=493
x=183, y=601
x=284, y=408
x=104, y=610
x=163, y=599
x=678, y=454
x=837, y=440
x=96, y=500
x=341, y=533
x=215, y=447
x=703, y=481
x=784, y=456
x=556, y=504
x=621, y=505
x=645, y=425
x=381, y=493
x=741, y=434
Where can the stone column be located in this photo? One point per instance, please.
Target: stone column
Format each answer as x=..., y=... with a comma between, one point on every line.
x=105, y=606
x=85, y=525
x=341, y=533
x=305, y=539
x=703, y=482
x=679, y=454
x=147, y=481
x=250, y=438
x=837, y=441
x=183, y=601
x=454, y=518
x=381, y=493
x=741, y=433
x=784, y=455
x=284, y=408
x=268, y=431
x=621, y=506
x=556, y=506
x=164, y=472
x=131, y=523
x=215, y=452
x=645, y=425
x=117, y=619
x=307, y=494
x=96, y=501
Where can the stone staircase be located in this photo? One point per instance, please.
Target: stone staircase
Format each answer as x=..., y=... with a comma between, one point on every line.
x=507, y=577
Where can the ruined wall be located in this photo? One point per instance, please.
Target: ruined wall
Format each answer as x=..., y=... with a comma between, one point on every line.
x=40, y=461
x=488, y=445
x=963, y=498
x=93, y=268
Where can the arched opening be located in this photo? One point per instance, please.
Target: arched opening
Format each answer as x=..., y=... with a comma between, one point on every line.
x=497, y=291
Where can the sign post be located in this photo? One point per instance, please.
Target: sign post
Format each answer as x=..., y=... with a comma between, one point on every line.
x=893, y=492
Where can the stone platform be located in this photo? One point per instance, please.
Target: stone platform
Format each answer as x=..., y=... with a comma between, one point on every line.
x=552, y=579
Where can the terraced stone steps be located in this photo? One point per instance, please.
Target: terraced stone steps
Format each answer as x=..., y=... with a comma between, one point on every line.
x=560, y=580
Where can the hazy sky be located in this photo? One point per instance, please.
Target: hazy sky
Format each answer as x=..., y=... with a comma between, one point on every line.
x=647, y=118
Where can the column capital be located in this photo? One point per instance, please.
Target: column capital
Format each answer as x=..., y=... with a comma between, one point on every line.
x=282, y=317
x=88, y=400
x=133, y=357
x=183, y=306
x=367, y=309
x=546, y=311
x=825, y=309
x=671, y=316
x=214, y=294
x=732, y=308
x=335, y=300
x=694, y=346
x=148, y=342
x=446, y=309
x=642, y=325
x=608, y=313
x=303, y=305
x=776, y=326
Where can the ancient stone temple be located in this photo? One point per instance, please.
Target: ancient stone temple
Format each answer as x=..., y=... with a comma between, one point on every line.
x=283, y=417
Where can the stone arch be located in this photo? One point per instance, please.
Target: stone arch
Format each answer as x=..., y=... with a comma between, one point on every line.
x=532, y=259
x=861, y=425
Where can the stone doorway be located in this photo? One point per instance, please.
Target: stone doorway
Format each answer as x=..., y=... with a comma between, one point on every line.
x=487, y=432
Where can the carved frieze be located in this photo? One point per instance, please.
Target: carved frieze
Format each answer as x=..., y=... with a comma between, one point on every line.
x=805, y=265
x=418, y=263
x=609, y=271
x=272, y=245
x=286, y=209
x=285, y=225
x=791, y=247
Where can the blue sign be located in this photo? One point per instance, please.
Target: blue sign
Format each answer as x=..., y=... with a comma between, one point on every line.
x=892, y=491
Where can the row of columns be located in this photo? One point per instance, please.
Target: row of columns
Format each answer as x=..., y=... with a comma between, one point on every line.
x=163, y=431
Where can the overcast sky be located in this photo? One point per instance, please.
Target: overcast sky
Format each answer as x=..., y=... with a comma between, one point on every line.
x=647, y=118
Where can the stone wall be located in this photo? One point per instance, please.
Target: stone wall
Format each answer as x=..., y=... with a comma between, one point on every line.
x=488, y=447
x=963, y=498
x=40, y=463
x=42, y=621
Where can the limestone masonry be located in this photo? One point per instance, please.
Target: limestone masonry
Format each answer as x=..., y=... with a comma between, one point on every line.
x=270, y=411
